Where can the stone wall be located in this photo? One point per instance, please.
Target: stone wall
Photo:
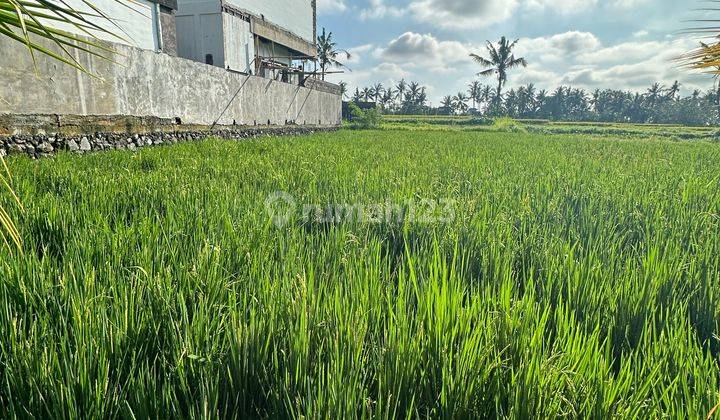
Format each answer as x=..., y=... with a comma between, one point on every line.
x=44, y=135
x=143, y=83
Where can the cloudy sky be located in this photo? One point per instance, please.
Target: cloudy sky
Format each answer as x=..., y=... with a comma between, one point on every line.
x=627, y=44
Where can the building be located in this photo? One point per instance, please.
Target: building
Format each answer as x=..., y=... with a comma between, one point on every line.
x=140, y=92
x=272, y=39
x=146, y=24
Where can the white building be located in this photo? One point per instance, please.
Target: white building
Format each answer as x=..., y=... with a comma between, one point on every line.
x=269, y=38
x=145, y=24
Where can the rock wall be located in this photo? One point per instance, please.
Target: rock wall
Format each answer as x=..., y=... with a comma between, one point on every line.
x=41, y=143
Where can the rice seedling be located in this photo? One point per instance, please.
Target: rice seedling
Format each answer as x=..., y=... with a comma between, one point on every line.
x=578, y=277
x=8, y=232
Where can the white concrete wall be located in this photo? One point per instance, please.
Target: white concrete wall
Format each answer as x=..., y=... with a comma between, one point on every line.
x=295, y=16
x=148, y=84
x=200, y=31
x=135, y=21
x=239, y=44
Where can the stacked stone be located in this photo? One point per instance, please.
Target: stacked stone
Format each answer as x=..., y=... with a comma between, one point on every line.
x=38, y=146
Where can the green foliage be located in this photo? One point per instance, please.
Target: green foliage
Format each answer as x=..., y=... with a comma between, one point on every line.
x=580, y=278
x=364, y=119
x=28, y=22
x=507, y=124
x=9, y=234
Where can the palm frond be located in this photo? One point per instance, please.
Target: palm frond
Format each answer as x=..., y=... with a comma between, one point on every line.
x=28, y=21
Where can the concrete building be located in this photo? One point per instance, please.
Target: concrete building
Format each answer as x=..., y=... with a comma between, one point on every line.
x=145, y=24
x=142, y=90
x=272, y=39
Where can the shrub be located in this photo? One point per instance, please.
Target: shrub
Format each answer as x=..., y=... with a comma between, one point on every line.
x=508, y=124
x=364, y=119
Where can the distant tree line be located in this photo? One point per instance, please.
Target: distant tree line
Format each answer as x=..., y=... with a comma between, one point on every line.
x=658, y=104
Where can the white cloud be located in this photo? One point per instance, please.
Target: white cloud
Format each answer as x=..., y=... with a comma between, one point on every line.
x=378, y=9
x=331, y=6
x=627, y=4
x=463, y=14
x=629, y=65
x=425, y=51
x=358, y=53
x=558, y=46
x=561, y=6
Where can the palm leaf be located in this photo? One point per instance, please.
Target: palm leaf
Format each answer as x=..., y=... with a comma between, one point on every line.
x=24, y=21
x=27, y=22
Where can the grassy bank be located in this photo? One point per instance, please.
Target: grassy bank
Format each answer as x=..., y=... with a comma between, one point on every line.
x=574, y=276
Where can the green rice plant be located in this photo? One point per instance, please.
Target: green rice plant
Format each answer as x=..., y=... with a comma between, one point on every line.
x=8, y=232
x=579, y=277
x=507, y=124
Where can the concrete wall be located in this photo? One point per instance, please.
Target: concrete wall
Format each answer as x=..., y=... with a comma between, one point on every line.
x=157, y=85
x=295, y=16
x=239, y=44
x=137, y=21
x=200, y=32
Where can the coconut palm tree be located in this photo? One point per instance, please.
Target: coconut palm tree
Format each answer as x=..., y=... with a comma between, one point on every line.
x=485, y=94
x=460, y=103
x=447, y=104
x=388, y=97
x=414, y=90
x=343, y=89
x=474, y=90
x=377, y=92
x=501, y=60
x=654, y=93
x=367, y=94
x=401, y=88
x=673, y=91
x=328, y=53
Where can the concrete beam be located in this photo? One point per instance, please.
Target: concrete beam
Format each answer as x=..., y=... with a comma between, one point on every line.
x=280, y=36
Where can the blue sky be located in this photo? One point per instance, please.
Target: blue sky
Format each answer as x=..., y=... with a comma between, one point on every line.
x=627, y=44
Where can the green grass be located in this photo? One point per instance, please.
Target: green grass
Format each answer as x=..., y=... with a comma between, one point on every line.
x=466, y=123
x=579, y=278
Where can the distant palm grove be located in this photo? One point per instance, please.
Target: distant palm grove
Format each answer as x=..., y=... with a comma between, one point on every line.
x=658, y=104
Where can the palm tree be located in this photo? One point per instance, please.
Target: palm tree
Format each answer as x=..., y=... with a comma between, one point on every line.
x=377, y=92
x=447, y=104
x=460, y=103
x=673, y=91
x=500, y=61
x=357, y=96
x=343, y=89
x=400, y=88
x=474, y=90
x=654, y=93
x=367, y=94
x=414, y=90
x=486, y=95
x=388, y=97
x=327, y=53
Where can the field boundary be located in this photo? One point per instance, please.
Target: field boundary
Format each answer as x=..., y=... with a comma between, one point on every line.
x=43, y=135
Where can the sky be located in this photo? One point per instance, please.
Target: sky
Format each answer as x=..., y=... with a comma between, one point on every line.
x=619, y=44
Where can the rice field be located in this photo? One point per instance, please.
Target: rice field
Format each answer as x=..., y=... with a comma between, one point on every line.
x=562, y=276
